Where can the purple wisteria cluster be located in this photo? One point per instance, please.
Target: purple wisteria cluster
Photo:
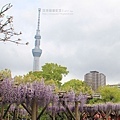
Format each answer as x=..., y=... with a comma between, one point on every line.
x=24, y=93
x=20, y=110
x=28, y=99
x=102, y=107
x=67, y=99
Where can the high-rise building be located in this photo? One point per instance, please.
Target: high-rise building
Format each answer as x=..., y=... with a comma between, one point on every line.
x=37, y=51
x=95, y=79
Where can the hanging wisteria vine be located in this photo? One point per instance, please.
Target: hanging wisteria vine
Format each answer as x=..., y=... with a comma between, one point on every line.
x=36, y=99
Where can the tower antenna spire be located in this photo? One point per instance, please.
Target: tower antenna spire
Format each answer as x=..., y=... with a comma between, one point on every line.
x=39, y=10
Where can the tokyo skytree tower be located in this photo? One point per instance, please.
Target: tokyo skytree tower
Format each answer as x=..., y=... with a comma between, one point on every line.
x=37, y=51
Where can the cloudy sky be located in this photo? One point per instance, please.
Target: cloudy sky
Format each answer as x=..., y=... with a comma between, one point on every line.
x=83, y=35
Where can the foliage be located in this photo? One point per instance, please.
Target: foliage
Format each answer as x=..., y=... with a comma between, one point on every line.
x=109, y=93
x=6, y=27
x=76, y=85
x=52, y=74
x=5, y=74
x=52, y=71
x=37, y=74
x=95, y=101
x=28, y=78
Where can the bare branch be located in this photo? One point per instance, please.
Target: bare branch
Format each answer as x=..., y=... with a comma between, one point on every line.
x=6, y=28
x=5, y=8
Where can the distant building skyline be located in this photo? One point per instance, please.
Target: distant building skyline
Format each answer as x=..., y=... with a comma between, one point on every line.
x=115, y=85
x=95, y=79
x=37, y=51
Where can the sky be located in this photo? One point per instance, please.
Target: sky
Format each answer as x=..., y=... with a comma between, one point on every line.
x=82, y=35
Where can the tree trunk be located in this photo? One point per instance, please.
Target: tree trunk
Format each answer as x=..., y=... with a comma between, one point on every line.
x=53, y=116
x=2, y=112
x=76, y=111
x=15, y=113
x=34, y=110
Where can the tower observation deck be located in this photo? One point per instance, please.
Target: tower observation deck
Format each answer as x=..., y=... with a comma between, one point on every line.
x=37, y=51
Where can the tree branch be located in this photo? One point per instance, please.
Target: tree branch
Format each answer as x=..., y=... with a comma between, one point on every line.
x=6, y=28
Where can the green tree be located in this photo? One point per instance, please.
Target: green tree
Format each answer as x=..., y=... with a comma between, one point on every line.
x=52, y=71
x=76, y=85
x=29, y=77
x=6, y=73
x=110, y=94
